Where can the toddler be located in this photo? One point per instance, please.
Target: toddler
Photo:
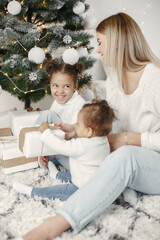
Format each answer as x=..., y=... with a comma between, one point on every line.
x=85, y=152
x=67, y=102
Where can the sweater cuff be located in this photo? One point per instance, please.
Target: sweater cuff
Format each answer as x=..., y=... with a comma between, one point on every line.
x=145, y=140
x=44, y=134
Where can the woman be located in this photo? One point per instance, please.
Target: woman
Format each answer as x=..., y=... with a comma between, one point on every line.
x=133, y=87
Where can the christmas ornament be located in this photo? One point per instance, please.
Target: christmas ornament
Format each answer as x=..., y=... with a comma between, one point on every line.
x=0, y=89
x=79, y=8
x=82, y=51
x=70, y=56
x=36, y=55
x=14, y=7
x=67, y=39
x=90, y=22
x=33, y=76
x=87, y=95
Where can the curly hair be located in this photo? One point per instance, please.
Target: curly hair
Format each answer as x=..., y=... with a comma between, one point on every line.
x=99, y=116
x=72, y=70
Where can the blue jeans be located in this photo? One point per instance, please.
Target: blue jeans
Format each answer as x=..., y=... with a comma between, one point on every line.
x=62, y=192
x=60, y=160
x=129, y=166
x=48, y=116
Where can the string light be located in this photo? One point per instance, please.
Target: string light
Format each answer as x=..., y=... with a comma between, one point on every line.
x=15, y=86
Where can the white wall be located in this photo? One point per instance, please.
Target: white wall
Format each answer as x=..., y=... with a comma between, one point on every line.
x=146, y=14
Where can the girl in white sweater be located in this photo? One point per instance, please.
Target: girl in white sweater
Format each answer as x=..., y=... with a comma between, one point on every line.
x=85, y=152
x=67, y=102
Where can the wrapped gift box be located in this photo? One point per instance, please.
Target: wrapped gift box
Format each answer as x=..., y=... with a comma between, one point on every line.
x=31, y=145
x=12, y=159
x=8, y=142
x=5, y=132
x=21, y=119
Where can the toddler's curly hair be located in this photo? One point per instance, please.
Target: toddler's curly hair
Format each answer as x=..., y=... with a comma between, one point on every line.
x=99, y=116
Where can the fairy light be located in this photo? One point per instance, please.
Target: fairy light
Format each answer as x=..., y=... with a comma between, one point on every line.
x=148, y=5
x=15, y=86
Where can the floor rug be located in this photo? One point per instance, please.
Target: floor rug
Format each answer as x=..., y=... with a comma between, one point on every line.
x=19, y=213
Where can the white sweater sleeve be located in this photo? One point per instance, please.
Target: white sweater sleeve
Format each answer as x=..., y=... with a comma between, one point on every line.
x=69, y=148
x=151, y=140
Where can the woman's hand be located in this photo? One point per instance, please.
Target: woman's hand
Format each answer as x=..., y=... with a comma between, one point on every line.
x=44, y=161
x=68, y=129
x=116, y=140
x=43, y=127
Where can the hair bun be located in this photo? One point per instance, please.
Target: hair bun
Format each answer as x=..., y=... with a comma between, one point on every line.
x=51, y=66
x=79, y=67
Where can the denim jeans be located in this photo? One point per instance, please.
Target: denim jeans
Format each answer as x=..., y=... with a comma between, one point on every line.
x=62, y=192
x=48, y=116
x=129, y=166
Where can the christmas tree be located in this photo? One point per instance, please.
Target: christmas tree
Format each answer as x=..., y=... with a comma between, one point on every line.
x=31, y=32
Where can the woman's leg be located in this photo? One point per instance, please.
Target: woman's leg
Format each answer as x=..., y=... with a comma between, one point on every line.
x=48, y=116
x=62, y=192
x=128, y=166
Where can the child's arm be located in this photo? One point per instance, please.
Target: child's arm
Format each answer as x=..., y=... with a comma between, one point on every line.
x=73, y=147
x=68, y=129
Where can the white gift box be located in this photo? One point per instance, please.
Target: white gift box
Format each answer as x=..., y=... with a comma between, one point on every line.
x=11, y=158
x=31, y=145
x=7, y=142
x=21, y=119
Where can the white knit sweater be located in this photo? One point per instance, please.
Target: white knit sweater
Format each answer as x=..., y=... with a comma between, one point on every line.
x=85, y=154
x=68, y=111
x=139, y=111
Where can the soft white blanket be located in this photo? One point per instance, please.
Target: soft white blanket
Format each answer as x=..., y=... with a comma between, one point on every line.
x=19, y=214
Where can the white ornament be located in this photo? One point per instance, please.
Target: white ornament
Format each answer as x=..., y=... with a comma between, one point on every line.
x=70, y=56
x=36, y=55
x=88, y=95
x=67, y=39
x=90, y=22
x=0, y=89
x=82, y=51
x=33, y=76
x=79, y=8
x=14, y=7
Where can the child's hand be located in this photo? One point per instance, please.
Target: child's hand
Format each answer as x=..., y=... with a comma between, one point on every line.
x=44, y=161
x=43, y=127
x=68, y=129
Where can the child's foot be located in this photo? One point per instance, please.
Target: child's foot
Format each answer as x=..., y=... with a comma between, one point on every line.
x=130, y=196
x=22, y=188
x=52, y=170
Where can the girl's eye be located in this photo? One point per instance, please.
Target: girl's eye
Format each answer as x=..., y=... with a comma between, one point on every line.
x=99, y=43
x=55, y=85
x=67, y=86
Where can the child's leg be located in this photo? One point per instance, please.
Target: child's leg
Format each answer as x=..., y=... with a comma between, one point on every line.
x=55, y=174
x=64, y=176
x=22, y=188
x=62, y=192
x=49, y=117
x=52, y=170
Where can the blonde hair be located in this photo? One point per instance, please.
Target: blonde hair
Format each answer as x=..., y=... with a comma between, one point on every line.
x=126, y=47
